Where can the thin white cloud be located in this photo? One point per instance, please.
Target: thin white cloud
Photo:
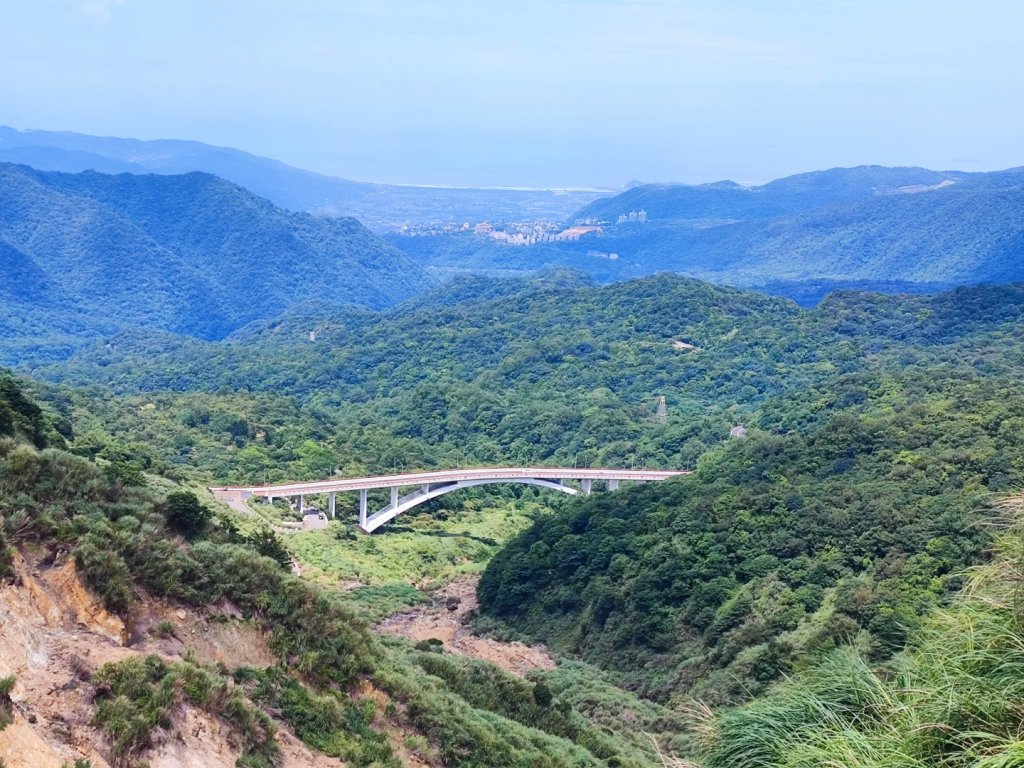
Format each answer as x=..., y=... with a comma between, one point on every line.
x=100, y=9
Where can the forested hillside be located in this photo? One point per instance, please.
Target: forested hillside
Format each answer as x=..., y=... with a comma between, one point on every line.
x=547, y=371
x=948, y=702
x=845, y=518
x=791, y=195
x=88, y=253
x=846, y=514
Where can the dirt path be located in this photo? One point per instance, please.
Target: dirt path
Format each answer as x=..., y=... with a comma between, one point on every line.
x=445, y=617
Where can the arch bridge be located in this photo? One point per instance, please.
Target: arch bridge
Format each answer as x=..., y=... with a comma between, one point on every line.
x=424, y=486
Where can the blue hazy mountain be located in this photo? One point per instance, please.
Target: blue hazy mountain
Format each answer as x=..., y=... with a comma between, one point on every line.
x=193, y=253
x=869, y=223
x=379, y=206
x=902, y=229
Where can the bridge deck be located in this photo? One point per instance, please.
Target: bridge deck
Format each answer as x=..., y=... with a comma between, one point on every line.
x=446, y=476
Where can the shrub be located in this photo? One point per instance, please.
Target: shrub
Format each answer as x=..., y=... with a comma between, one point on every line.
x=137, y=695
x=163, y=628
x=542, y=695
x=6, y=557
x=106, y=573
x=185, y=514
x=6, y=705
x=328, y=721
x=269, y=544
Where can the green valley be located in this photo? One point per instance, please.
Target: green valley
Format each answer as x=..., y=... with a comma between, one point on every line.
x=851, y=464
x=878, y=435
x=579, y=384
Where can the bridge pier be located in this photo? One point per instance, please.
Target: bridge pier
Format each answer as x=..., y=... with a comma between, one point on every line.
x=332, y=504
x=362, y=508
x=298, y=503
x=586, y=486
x=613, y=485
x=394, y=496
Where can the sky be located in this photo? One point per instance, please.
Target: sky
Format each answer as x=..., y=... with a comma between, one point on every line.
x=559, y=93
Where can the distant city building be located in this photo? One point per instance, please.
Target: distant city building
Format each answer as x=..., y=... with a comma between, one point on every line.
x=636, y=217
x=513, y=233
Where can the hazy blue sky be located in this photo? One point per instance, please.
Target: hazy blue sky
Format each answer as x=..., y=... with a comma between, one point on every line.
x=560, y=93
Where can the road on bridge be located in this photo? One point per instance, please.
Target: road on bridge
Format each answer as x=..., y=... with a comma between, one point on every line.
x=433, y=484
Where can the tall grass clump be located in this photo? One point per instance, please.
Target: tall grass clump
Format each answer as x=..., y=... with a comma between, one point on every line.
x=329, y=721
x=6, y=705
x=6, y=557
x=449, y=702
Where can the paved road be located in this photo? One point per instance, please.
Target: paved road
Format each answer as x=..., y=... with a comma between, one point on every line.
x=444, y=476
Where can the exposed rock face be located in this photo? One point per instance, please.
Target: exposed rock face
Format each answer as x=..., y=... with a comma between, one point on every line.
x=199, y=742
x=215, y=640
x=22, y=747
x=84, y=606
x=54, y=634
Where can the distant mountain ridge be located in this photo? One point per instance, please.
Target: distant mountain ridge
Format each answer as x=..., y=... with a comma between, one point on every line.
x=380, y=206
x=192, y=254
x=791, y=194
x=845, y=226
x=788, y=195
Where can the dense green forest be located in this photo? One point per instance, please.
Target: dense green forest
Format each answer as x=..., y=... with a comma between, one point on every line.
x=544, y=370
x=849, y=527
x=846, y=515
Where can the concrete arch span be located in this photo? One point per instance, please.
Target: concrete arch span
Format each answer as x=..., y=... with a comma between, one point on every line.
x=398, y=505
x=430, y=485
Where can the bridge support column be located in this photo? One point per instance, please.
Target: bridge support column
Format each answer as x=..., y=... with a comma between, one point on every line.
x=362, y=507
x=394, y=496
x=586, y=486
x=298, y=503
x=332, y=505
x=613, y=485
x=269, y=499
